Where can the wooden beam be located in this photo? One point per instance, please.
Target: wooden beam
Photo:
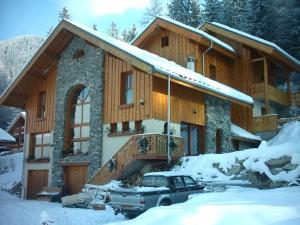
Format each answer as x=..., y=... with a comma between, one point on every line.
x=266, y=84
x=51, y=55
x=257, y=59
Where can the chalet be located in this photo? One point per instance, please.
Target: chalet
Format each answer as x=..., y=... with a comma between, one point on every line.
x=6, y=141
x=99, y=109
x=16, y=129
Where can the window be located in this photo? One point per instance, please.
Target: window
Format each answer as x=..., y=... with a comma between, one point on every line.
x=41, y=146
x=41, y=104
x=219, y=141
x=126, y=88
x=189, y=181
x=138, y=125
x=212, y=72
x=113, y=128
x=193, y=138
x=80, y=121
x=164, y=42
x=125, y=126
x=177, y=182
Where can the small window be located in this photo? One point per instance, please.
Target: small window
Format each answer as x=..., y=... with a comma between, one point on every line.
x=41, y=110
x=113, y=128
x=125, y=126
x=40, y=146
x=212, y=72
x=164, y=41
x=190, y=63
x=138, y=125
x=126, y=89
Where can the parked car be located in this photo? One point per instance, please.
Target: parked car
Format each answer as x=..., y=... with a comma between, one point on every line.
x=156, y=189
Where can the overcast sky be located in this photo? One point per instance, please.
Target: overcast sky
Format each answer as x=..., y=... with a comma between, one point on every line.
x=26, y=17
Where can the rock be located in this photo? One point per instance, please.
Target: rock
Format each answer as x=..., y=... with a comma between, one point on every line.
x=240, y=161
x=259, y=180
x=216, y=165
x=278, y=184
x=280, y=162
x=290, y=166
x=234, y=170
x=276, y=171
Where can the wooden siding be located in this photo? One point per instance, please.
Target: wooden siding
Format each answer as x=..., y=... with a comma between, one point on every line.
x=48, y=84
x=37, y=179
x=142, y=86
x=187, y=105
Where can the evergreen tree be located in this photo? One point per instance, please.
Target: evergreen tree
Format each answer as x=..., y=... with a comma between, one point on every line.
x=113, y=30
x=95, y=26
x=155, y=9
x=129, y=35
x=64, y=14
x=212, y=10
x=185, y=11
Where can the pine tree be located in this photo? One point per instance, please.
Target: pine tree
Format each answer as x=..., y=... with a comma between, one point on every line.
x=113, y=30
x=95, y=26
x=155, y=9
x=129, y=35
x=212, y=10
x=64, y=14
x=185, y=11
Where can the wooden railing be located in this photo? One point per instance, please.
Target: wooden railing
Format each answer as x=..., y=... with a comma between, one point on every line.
x=274, y=94
x=265, y=123
x=295, y=99
x=156, y=150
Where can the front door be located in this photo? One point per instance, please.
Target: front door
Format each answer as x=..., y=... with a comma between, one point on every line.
x=74, y=178
x=37, y=179
x=193, y=136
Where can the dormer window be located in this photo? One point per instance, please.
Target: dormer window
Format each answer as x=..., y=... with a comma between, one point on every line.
x=190, y=63
x=164, y=41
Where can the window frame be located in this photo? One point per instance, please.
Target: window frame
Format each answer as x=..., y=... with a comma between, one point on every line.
x=33, y=145
x=126, y=87
x=164, y=41
x=41, y=105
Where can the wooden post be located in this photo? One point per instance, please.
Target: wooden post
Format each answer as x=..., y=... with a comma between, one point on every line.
x=266, y=84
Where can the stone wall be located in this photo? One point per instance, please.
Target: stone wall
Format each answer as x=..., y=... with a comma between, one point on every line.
x=87, y=71
x=218, y=116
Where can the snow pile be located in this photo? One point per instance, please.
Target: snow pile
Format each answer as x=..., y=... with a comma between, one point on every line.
x=11, y=167
x=241, y=206
x=16, y=211
x=240, y=132
x=228, y=166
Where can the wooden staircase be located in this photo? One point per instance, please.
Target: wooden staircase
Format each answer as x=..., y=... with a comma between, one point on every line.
x=130, y=158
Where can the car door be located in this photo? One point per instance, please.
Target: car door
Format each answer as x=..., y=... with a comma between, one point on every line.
x=178, y=189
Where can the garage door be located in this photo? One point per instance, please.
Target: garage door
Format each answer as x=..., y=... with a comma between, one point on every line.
x=37, y=179
x=74, y=178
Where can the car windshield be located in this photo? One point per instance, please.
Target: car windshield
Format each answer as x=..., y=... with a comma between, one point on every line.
x=154, y=181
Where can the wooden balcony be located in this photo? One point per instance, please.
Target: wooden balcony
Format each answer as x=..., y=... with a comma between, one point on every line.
x=275, y=95
x=130, y=159
x=295, y=99
x=265, y=123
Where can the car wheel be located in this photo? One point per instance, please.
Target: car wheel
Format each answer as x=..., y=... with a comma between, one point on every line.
x=130, y=216
x=164, y=203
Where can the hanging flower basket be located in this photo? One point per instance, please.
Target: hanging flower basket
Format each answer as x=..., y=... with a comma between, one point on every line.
x=143, y=145
x=112, y=164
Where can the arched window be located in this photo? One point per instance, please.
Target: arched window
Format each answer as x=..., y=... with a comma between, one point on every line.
x=80, y=121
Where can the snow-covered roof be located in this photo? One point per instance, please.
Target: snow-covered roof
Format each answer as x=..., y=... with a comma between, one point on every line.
x=260, y=40
x=170, y=68
x=21, y=114
x=189, y=28
x=6, y=137
x=240, y=132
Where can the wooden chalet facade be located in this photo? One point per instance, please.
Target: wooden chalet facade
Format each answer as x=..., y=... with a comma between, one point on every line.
x=17, y=130
x=93, y=100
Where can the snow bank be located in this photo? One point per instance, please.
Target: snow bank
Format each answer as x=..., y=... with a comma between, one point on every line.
x=11, y=167
x=240, y=132
x=241, y=206
x=225, y=167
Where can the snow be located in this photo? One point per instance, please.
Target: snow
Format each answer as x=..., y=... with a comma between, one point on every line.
x=240, y=132
x=192, y=29
x=4, y=136
x=243, y=206
x=271, y=44
x=167, y=173
x=286, y=143
x=15, y=211
x=169, y=68
x=11, y=167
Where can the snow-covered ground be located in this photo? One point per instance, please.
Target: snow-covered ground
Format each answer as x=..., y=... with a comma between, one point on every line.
x=15, y=211
x=242, y=206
